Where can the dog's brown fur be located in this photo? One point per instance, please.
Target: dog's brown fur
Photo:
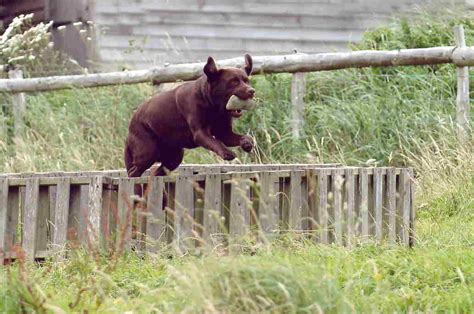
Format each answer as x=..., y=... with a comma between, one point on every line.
x=188, y=116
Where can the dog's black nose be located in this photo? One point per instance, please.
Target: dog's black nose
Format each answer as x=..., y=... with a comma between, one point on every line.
x=251, y=92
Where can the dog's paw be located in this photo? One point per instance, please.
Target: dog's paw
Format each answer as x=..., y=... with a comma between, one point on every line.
x=246, y=143
x=227, y=155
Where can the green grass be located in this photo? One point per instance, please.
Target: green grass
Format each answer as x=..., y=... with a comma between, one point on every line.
x=395, y=116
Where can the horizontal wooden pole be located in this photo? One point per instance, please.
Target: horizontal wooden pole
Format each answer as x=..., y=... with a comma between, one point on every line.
x=262, y=64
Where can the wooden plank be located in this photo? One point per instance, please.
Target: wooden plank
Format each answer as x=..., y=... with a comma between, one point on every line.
x=156, y=221
x=81, y=177
x=337, y=187
x=125, y=211
x=108, y=216
x=266, y=20
x=296, y=202
x=462, y=98
x=67, y=11
x=323, y=215
x=18, y=103
x=406, y=206
x=268, y=210
x=31, y=217
x=378, y=195
x=262, y=64
x=298, y=91
x=95, y=208
x=4, y=247
x=142, y=214
x=350, y=203
x=170, y=210
x=184, y=207
x=62, y=213
x=364, y=201
x=239, y=223
x=412, y=235
x=43, y=232
x=13, y=217
x=392, y=205
x=213, y=210
x=52, y=202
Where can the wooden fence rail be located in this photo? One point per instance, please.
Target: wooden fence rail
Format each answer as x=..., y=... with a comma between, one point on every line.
x=262, y=64
x=207, y=207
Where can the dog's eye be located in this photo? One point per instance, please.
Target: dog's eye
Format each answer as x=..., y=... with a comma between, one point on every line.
x=246, y=80
x=234, y=82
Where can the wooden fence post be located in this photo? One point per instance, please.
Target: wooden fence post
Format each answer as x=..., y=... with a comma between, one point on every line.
x=462, y=99
x=18, y=103
x=298, y=90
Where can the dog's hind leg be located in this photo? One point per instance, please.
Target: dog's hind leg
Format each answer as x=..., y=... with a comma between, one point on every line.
x=171, y=159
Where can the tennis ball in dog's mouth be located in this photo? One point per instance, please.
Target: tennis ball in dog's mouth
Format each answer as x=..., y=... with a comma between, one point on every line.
x=235, y=103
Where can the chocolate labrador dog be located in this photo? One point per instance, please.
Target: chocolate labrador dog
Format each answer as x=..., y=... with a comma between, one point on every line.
x=189, y=116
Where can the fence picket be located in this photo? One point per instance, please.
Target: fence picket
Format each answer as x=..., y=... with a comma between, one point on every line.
x=239, y=206
x=412, y=207
x=31, y=217
x=268, y=211
x=364, y=201
x=337, y=185
x=156, y=221
x=378, y=195
x=323, y=215
x=350, y=202
x=296, y=201
x=125, y=208
x=43, y=232
x=62, y=212
x=406, y=214
x=212, y=209
x=3, y=218
x=184, y=207
x=95, y=208
x=392, y=205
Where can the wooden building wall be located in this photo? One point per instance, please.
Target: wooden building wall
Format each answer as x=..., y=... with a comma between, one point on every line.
x=139, y=33
x=64, y=13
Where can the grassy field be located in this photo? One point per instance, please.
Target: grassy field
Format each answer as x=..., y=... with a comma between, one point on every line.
x=396, y=116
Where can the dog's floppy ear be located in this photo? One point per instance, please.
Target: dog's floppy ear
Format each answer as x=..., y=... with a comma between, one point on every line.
x=210, y=69
x=248, y=64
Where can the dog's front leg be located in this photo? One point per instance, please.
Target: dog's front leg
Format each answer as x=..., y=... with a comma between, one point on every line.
x=203, y=137
x=232, y=139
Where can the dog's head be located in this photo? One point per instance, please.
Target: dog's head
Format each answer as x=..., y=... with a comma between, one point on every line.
x=225, y=82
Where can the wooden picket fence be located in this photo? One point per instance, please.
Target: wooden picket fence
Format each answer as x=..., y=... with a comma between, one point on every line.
x=205, y=205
